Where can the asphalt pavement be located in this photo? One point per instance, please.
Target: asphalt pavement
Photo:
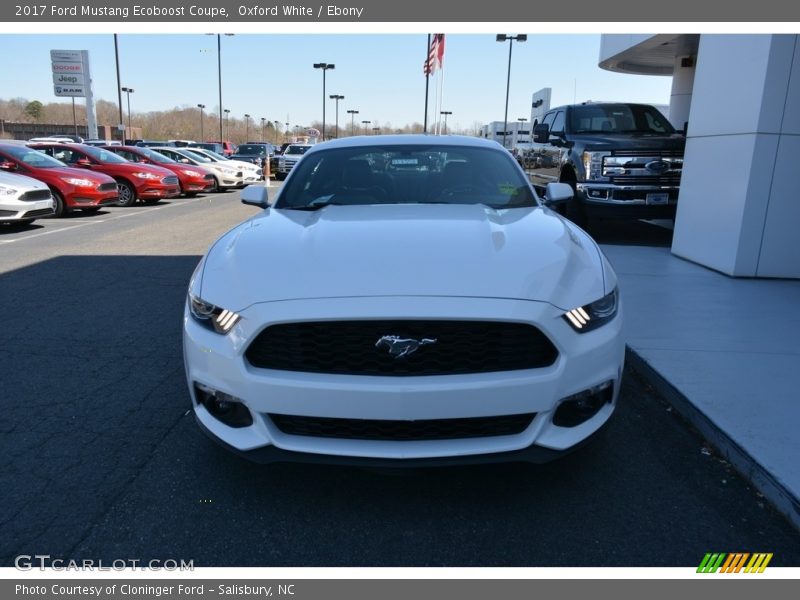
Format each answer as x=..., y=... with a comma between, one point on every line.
x=102, y=459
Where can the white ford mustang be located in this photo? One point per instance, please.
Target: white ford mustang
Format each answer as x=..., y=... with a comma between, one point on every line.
x=404, y=300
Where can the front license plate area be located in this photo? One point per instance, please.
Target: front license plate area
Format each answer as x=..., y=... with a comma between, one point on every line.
x=658, y=198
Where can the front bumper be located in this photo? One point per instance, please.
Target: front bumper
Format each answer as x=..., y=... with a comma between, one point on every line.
x=20, y=210
x=585, y=360
x=628, y=201
x=154, y=191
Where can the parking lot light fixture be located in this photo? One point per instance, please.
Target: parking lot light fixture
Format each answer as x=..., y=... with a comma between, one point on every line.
x=325, y=67
x=277, y=131
x=376, y=130
x=246, y=127
x=219, y=76
x=445, y=113
x=352, y=114
x=337, y=97
x=201, y=107
x=227, y=112
x=128, y=91
x=502, y=37
x=263, y=130
x=365, y=123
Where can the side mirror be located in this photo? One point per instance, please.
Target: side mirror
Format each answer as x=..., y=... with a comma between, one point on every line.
x=557, y=193
x=256, y=195
x=83, y=162
x=185, y=161
x=7, y=165
x=541, y=134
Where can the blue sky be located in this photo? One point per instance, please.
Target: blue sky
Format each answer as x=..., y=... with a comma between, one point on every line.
x=271, y=75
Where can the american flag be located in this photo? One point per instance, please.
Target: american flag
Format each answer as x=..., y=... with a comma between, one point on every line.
x=435, y=55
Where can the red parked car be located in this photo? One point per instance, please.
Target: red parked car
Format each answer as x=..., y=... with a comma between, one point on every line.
x=147, y=183
x=191, y=179
x=71, y=188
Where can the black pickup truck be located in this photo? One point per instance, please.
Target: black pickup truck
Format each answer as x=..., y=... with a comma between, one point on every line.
x=622, y=160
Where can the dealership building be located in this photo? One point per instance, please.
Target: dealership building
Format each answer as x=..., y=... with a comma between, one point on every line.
x=739, y=203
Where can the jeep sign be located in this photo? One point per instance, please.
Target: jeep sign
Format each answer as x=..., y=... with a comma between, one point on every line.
x=68, y=79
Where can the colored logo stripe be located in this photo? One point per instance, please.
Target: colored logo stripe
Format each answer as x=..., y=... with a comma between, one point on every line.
x=734, y=562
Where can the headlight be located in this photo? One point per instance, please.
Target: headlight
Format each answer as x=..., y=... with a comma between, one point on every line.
x=593, y=315
x=78, y=181
x=219, y=319
x=593, y=165
x=193, y=173
x=7, y=191
x=144, y=175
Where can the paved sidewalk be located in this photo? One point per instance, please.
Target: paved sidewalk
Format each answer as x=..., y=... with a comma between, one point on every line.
x=726, y=353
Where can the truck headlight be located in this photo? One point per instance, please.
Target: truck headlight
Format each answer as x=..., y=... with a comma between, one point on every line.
x=593, y=165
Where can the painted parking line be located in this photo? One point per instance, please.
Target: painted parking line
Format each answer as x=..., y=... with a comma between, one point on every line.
x=134, y=212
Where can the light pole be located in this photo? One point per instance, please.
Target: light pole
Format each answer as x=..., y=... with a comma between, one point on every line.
x=352, y=114
x=336, y=97
x=521, y=121
x=263, y=131
x=201, y=107
x=365, y=123
x=324, y=67
x=277, y=131
x=375, y=130
x=246, y=127
x=227, y=112
x=219, y=75
x=445, y=113
x=502, y=37
x=128, y=91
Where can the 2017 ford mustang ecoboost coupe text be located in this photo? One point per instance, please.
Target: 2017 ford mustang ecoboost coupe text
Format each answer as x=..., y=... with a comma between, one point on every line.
x=404, y=300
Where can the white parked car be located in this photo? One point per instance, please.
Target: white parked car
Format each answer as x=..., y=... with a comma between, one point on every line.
x=250, y=172
x=23, y=199
x=406, y=299
x=225, y=177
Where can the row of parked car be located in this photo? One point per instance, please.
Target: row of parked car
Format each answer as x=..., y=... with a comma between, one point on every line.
x=86, y=177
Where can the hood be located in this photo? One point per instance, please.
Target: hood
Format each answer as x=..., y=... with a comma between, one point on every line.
x=78, y=173
x=21, y=182
x=403, y=250
x=136, y=168
x=639, y=141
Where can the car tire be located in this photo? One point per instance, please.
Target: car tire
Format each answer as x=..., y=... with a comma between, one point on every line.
x=60, y=208
x=216, y=189
x=126, y=193
x=280, y=176
x=574, y=210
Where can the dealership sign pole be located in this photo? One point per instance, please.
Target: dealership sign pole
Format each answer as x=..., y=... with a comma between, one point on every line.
x=72, y=78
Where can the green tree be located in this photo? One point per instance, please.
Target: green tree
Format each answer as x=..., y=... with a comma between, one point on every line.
x=34, y=110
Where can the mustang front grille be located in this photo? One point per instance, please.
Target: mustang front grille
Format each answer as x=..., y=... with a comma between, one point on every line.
x=378, y=429
x=401, y=347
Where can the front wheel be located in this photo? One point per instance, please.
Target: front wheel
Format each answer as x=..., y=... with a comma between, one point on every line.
x=126, y=194
x=574, y=210
x=280, y=176
x=58, y=204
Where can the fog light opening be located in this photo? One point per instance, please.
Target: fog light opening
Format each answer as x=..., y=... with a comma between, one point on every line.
x=579, y=408
x=223, y=407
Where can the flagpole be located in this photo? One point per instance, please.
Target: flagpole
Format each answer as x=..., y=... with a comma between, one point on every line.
x=427, y=81
x=441, y=95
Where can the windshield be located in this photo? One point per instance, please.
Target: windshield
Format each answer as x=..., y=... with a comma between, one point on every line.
x=32, y=158
x=211, y=154
x=252, y=149
x=430, y=174
x=297, y=149
x=195, y=156
x=156, y=157
x=618, y=118
x=105, y=156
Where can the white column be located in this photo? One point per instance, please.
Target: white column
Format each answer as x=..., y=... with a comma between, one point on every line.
x=681, y=95
x=739, y=208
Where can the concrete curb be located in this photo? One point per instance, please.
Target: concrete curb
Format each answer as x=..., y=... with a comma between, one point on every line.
x=764, y=481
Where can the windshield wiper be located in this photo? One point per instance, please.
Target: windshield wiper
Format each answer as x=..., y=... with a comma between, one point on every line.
x=316, y=204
